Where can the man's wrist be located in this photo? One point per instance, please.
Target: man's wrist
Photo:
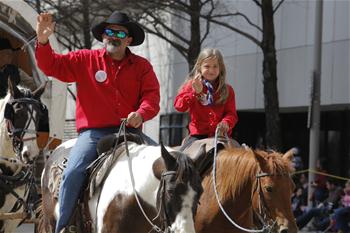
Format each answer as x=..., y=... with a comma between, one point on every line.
x=43, y=42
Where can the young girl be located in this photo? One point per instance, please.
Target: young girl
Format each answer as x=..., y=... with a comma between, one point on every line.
x=208, y=98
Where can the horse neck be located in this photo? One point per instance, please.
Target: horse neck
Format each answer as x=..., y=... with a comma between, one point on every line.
x=235, y=181
x=6, y=149
x=209, y=217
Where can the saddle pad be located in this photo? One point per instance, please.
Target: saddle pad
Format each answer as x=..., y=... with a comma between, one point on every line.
x=208, y=144
x=96, y=171
x=99, y=169
x=56, y=171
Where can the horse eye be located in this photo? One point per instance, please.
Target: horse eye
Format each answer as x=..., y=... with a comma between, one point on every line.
x=269, y=189
x=170, y=190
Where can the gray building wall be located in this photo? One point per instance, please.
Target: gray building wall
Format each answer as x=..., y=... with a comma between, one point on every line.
x=294, y=25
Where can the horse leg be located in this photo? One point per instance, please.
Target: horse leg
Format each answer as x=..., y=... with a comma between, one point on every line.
x=10, y=226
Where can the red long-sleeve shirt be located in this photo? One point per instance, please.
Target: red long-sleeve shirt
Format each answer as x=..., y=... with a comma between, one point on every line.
x=204, y=118
x=130, y=85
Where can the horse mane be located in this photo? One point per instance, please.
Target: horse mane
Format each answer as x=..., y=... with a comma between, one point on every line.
x=184, y=168
x=235, y=167
x=26, y=93
x=276, y=164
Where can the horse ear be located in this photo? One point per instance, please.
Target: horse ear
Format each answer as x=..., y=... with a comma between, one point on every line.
x=170, y=161
x=261, y=160
x=13, y=89
x=200, y=159
x=38, y=92
x=289, y=155
x=204, y=160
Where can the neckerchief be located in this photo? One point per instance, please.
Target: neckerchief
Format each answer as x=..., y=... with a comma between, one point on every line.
x=209, y=100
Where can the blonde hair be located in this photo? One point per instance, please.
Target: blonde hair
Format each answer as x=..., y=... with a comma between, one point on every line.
x=213, y=53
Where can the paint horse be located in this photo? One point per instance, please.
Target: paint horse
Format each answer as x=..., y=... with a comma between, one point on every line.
x=138, y=182
x=22, y=115
x=253, y=189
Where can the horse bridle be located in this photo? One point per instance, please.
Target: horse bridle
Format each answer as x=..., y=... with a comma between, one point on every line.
x=23, y=177
x=162, y=212
x=265, y=228
x=165, y=228
x=17, y=134
x=264, y=213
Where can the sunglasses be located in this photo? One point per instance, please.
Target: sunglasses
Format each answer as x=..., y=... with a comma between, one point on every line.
x=115, y=33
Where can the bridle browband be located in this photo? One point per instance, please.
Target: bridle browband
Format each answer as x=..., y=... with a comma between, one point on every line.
x=264, y=214
x=165, y=227
x=162, y=212
x=17, y=134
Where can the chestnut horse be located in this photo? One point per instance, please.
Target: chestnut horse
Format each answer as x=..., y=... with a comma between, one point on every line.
x=253, y=189
x=22, y=114
x=165, y=181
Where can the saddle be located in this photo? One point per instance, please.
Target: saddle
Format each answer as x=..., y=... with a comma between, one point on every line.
x=207, y=147
x=109, y=149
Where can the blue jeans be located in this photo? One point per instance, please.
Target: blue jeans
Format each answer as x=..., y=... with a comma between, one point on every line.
x=306, y=217
x=342, y=219
x=74, y=176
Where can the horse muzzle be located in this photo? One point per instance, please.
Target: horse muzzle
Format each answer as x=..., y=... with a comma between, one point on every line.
x=289, y=228
x=283, y=229
x=286, y=226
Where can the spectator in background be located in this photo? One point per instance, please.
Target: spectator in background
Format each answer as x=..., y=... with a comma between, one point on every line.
x=321, y=213
x=320, y=190
x=299, y=202
x=10, y=70
x=342, y=215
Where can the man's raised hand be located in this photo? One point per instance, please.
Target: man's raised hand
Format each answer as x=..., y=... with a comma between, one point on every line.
x=44, y=27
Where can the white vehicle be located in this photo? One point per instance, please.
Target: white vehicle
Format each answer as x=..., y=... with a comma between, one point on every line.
x=17, y=24
x=17, y=32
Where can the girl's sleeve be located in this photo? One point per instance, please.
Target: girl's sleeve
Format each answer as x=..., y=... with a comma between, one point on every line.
x=230, y=113
x=185, y=98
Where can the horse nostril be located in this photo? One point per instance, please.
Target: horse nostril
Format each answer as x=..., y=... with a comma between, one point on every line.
x=283, y=230
x=25, y=156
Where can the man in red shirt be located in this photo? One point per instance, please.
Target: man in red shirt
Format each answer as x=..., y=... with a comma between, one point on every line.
x=112, y=83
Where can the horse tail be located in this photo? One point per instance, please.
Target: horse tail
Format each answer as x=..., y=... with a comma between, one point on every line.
x=44, y=224
x=40, y=226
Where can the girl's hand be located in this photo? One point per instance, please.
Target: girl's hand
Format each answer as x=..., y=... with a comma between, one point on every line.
x=197, y=84
x=44, y=27
x=222, y=128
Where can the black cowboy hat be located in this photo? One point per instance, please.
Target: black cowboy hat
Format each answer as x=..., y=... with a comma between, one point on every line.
x=135, y=30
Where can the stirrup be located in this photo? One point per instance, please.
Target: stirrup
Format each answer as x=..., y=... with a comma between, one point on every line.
x=69, y=229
